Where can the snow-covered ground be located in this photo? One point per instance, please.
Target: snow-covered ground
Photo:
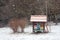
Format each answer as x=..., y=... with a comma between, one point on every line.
x=5, y=34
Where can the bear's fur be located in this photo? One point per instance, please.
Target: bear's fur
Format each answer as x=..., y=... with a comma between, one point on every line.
x=14, y=23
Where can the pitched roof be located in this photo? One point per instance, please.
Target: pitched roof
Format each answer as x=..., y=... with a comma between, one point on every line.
x=38, y=18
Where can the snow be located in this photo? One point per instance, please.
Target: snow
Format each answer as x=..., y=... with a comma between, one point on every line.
x=54, y=34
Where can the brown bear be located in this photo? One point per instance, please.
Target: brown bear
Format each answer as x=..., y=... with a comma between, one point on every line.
x=14, y=23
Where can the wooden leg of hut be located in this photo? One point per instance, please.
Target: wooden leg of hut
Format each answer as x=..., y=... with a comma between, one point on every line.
x=46, y=28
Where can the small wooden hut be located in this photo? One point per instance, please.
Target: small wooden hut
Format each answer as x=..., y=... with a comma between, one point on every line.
x=38, y=22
